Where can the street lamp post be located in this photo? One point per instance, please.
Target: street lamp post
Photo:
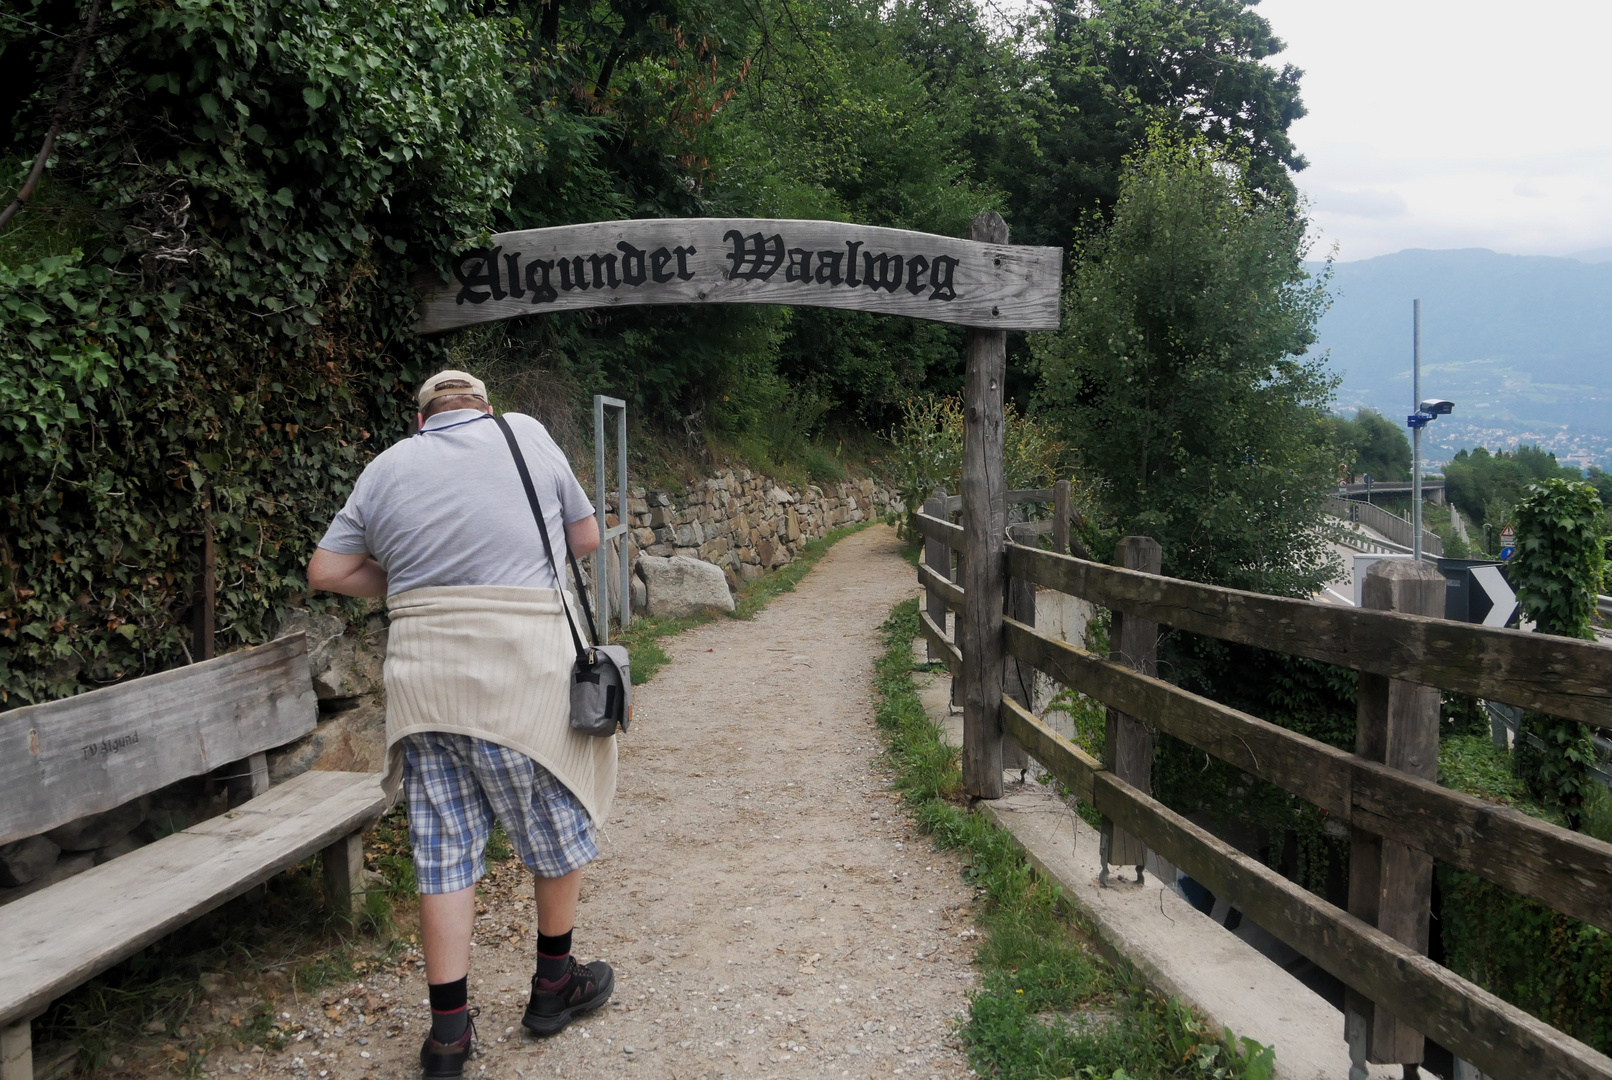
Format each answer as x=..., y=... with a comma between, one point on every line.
x=1416, y=421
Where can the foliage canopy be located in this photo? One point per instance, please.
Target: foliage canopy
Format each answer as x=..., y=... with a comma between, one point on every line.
x=1179, y=377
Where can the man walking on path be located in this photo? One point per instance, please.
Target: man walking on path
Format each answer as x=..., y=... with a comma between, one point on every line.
x=477, y=685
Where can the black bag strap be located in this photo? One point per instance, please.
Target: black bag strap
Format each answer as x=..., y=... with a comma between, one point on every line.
x=548, y=547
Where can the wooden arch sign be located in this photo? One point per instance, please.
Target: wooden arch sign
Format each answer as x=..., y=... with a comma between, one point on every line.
x=748, y=261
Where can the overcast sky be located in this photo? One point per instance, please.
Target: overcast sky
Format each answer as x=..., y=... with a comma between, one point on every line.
x=1453, y=123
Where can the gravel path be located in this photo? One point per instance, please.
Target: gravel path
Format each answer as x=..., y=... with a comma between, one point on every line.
x=767, y=906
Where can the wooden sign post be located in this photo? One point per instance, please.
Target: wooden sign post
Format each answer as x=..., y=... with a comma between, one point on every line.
x=984, y=491
x=981, y=282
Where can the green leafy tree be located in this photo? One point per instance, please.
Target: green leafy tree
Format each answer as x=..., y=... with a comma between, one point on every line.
x=928, y=451
x=1105, y=72
x=1372, y=443
x=1487, y=486
x=1179, y=378
x=1557, y=572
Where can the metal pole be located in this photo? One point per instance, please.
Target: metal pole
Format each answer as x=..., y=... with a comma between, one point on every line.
x=621, y=516
x=601, y=594
x=1416, y=432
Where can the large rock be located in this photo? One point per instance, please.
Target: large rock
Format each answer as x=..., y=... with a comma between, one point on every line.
x=353, y=740
x=354, y=667
x=343, y=664
x=99, y=830
x=323, y=632
x=25, y=860
x=681, y=586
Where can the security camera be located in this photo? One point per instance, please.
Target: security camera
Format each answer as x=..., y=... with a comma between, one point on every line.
x=1437, y=407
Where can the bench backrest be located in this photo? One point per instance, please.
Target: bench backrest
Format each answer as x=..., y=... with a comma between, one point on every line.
x=67, y=759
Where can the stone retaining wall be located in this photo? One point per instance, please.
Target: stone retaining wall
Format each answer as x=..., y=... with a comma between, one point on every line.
x=743, y=521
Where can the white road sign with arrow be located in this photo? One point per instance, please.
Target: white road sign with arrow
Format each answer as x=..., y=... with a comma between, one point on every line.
x=1503, y=602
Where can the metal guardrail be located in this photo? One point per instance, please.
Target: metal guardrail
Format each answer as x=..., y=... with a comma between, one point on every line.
x=1508, y=718
x=1392, y=526
x=1391, y=487
x=1603, y=604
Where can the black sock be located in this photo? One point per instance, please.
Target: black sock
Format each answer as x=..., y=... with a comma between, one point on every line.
x=449, y=1015
x=553, y=957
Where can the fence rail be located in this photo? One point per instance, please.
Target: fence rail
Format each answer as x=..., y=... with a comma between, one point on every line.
x=1389, y=805
x=1561, y=676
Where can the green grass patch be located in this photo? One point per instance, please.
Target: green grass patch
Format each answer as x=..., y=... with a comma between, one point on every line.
x=1050, y=1008
x=642, y=638
x=1469, y=762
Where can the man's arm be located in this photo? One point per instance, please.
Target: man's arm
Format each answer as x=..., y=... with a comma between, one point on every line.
x=351, y=575
x=582, y=536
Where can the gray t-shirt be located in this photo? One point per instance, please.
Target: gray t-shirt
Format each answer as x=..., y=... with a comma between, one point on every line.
x=446, y=507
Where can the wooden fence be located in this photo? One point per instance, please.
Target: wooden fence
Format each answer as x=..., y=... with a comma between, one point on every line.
x=1400, y=819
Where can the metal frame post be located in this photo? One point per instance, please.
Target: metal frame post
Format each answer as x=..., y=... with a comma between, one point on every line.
x=608, y=533
x=1416, y=432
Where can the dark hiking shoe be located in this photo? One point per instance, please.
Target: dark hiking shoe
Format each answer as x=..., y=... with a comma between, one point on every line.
x=586, y=988
x=442, y=1060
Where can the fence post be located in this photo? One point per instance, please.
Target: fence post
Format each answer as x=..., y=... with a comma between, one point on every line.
x=979, y=631
x=1128, y=744
x=1020, y=676
x=1390, y=884
x=1060, y=517
x=938, y=557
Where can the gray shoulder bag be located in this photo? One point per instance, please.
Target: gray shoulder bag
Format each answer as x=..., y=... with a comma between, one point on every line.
x=601, y=682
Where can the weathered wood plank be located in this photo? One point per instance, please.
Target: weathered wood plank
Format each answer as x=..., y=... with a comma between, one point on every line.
x=1062, y=758
x=16, y=1051
x=979, y=625
x=58, y=937
x=1499, y=1038
x=1567, y=871
x=342, y=865
x=945, y=532
x=943, y=645
x=747, y=261
x=1307, y=768
x=66, y=759
x=1564, y=870
x=1562, y=676
x=941, y=586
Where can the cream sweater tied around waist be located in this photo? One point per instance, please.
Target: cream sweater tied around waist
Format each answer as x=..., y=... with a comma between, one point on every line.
x=493, y=662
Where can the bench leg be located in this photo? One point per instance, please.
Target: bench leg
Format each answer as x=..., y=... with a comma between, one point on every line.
x=250, y=779
x=344, y=874
x=16, y=1052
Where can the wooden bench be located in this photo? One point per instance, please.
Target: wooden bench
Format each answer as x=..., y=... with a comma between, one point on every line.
x=65, y=760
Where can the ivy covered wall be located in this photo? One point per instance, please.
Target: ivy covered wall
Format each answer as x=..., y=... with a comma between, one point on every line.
x=256, y=182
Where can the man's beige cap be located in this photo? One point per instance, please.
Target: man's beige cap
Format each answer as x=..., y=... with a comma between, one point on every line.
x=451, y=383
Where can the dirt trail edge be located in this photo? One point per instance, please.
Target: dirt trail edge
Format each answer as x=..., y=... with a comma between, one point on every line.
x=767, y=906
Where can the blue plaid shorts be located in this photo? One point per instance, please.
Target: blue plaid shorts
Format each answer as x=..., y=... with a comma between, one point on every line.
x=456, y=784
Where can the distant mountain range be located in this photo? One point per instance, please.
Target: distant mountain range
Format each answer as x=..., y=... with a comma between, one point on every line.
x=1522, y=344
